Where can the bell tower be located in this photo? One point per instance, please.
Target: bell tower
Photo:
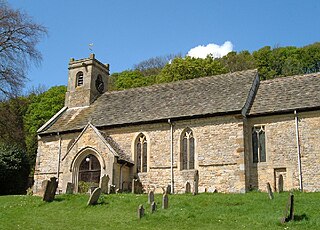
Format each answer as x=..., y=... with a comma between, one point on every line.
x=87, y=80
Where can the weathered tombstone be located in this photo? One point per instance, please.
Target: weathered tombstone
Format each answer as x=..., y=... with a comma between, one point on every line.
x=290, y=209
x=196, y=182
x=188, y=187
x=70, y=188
x=269, y=191
x=150, y=197
x=50, y=190
x=94, y=196
x=104, y=183
x=136, y=186
x=140, y=211
x=165, y=201
x=44, y=185
x=280, y=183
x=112, y=189
x=168, y=189
x=91, y=189
x=153, y=207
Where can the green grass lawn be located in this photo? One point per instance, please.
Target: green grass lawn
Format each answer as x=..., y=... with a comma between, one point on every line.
x=253, y=210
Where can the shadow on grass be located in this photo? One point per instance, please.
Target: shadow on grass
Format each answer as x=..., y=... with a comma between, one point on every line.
x=301, y=217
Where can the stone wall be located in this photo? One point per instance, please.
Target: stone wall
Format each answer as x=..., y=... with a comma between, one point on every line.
x=281, y=150
x=219, y=155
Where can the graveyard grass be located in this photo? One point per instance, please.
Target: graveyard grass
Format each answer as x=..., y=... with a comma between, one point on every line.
x=253, y=210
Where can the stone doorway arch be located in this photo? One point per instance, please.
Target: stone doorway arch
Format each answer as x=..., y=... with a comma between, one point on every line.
x=87, y=168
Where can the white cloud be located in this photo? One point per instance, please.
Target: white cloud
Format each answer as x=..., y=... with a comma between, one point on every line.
x=214, y=50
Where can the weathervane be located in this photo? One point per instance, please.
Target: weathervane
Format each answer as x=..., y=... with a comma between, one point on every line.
x=91, y=46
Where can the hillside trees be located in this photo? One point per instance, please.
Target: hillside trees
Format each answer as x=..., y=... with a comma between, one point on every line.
x=40, y=110
x=19, y=36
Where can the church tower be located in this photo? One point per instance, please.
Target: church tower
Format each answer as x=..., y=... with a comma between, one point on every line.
x=87, y=80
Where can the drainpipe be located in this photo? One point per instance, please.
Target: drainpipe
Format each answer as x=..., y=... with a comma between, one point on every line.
x=171, y=155
x=298, y=150
x=59, y=158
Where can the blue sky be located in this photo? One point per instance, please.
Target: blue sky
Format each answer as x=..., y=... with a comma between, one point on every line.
x=127, y=32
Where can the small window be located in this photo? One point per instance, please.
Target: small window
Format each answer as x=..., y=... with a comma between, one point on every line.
x=79, y=79
x=187, y=150
x=141, y=153
x=259, y=144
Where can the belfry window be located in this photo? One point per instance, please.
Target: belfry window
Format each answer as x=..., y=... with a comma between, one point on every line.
x=187, y=149
x=79, y=79
x=141, y=153
x=259, y=144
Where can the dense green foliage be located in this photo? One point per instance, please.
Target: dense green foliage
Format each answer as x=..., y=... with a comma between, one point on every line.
x=270, y=62
x=14, y=169
x=40, y=110
x=119, y=211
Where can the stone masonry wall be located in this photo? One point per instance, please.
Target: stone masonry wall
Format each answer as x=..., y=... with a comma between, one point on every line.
x=281, y=151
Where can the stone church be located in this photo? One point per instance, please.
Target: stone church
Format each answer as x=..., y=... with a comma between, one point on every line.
x=236, y=132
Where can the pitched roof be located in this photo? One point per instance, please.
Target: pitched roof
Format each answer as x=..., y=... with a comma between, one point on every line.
x=202, y=96
x=287, y=94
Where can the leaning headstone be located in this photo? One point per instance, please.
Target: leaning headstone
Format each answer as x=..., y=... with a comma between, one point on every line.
x=44, y=185
x=280, y=183
x=153, y=207
x=104, y=183
x=168, y=189
x=91, y=189
x=289, y=209
x=269, y=191
x=140, y=211
x=195, y=182
x=50, y=190
x=188, y=187
x=150, y=197
x=112, y=189
x=70, y=188
x=94, y=196
x=165, y=201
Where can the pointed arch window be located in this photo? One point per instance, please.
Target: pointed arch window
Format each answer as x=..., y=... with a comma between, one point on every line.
x=79, y=78
x=187, y=149
x=259, y=144
x=141, y=153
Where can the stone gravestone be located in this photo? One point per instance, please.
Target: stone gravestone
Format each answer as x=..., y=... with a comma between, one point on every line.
x=140, y=211
x=112, y=189
x=188, y=187
x=290, y=209
x=136, y=186
x=269, y=191
x=50, y=190
x=150, y=197
x=165, y=201
x=94, y=196
x=70, y=188
x=196, y=182
x=280, y=183
x=44, y=185
x=153, y=207
x=168, y=189
x=104, y=183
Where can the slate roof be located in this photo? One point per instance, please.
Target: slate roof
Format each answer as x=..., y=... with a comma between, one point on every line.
x=287, y=94
x=202, y=96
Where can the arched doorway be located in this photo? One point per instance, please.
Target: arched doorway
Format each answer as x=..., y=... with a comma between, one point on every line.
x=89, y=173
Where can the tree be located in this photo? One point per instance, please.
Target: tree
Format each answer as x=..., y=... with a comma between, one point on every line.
x=153, y=66
x=19, y=36
x=234, y=61
x=14, y=169
x=132, y=79
x=40, y=110
x=189, y=68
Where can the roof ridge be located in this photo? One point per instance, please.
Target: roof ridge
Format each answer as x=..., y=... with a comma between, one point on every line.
x=283, y=78
x=166, y=84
